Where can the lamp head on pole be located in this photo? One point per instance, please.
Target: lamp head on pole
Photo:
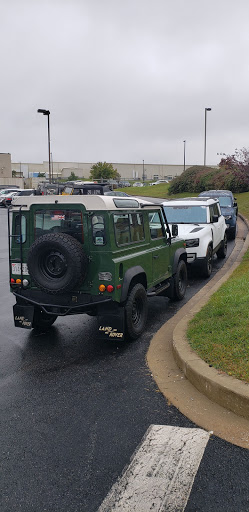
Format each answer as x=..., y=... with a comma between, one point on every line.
x=43, y=111
x=208, y=109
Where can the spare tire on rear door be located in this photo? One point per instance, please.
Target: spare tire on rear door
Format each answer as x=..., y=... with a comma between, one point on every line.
x=57, y=263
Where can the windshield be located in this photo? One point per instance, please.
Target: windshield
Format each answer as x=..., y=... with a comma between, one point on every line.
x=186, y=214
x=225, y=201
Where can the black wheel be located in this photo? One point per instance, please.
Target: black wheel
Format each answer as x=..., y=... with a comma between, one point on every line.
x=231, y=234
x=42, y=320
x=180, y=281
x=136, y=311
x=207, y=264
x=57, y=263
x=222, y=252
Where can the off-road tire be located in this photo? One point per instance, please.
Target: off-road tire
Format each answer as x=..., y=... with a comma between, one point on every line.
x=136, y=311
x=207, y=264
x=180, y=281
x=57, y=263
x=231, y=234
x=41, y=320
x=222, y=252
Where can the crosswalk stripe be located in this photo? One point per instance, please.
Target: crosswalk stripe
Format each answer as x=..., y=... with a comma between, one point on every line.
x=161, y=473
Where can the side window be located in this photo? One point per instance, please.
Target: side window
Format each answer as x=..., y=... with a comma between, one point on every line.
x=122, y=229
x=156, y=226
x=98, y=230
x=137, y=227
x=214, y=210
x=20, y=229
x=129, y=228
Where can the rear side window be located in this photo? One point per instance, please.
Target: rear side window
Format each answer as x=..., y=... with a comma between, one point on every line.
x=98, y=230
x=59, y=221
x=128, y=228
x=20, y=229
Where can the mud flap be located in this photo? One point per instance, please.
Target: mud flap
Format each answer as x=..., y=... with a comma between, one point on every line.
x=23, y=316
x=111, y=323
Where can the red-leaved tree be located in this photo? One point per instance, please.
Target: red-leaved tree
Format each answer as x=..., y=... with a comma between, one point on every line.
x=239, y=161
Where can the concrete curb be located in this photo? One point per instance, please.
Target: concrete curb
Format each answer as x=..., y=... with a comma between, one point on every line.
x=226, y=391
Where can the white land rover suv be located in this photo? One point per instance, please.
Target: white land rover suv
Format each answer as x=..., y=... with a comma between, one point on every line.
x=199, y=222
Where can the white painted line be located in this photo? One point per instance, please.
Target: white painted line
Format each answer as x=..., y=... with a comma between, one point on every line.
x=161, y=473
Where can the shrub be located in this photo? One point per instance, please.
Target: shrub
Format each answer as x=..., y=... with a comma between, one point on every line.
x=199, y=178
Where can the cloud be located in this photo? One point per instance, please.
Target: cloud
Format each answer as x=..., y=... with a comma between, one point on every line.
x=124, y=81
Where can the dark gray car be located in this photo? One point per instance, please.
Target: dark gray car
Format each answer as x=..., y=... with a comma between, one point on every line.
x=228, y=206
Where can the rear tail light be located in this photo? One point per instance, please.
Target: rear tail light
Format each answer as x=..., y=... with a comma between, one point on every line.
x=24, y=282
x=109, y=288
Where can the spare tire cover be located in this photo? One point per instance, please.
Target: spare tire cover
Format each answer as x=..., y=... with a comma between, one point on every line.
x=57, y=262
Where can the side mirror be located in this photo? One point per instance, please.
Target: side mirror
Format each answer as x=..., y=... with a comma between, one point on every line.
x=174, y=229
x=235, y=203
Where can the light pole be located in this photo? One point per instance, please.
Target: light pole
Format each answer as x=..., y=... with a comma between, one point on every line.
x=205, y=134
x=47, y=113
x=143, y=171
x=184, y=153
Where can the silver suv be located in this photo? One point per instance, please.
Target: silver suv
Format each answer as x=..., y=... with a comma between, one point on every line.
x=199, y=222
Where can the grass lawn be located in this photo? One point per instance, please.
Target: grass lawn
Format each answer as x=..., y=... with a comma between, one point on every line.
x=243, y=204
x=219, y=333
x=160, y=191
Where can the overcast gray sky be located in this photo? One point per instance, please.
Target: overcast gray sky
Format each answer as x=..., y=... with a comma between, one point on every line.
x=124, y=80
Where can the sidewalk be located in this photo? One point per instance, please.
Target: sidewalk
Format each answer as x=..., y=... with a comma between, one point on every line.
x=210, y=398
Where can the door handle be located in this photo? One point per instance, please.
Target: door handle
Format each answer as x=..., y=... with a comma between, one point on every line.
x=155, y=256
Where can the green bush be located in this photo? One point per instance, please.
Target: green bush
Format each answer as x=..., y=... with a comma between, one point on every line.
x=198, y=178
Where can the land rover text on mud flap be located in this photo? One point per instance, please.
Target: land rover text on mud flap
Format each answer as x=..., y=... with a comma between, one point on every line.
x=100, y=255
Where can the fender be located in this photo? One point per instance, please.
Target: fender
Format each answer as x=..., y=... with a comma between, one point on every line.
x=179, y=254
x=129, y=274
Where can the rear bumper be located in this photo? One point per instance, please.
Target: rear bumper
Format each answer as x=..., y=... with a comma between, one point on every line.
x=61, y=305
x=110, y=314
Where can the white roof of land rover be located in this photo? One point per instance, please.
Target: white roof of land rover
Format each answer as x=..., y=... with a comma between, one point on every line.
x=91, y=202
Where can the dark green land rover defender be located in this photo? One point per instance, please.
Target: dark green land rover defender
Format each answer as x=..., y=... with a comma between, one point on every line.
x=100, y=255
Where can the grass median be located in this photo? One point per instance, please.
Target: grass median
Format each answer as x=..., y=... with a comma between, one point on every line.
x=219, y=333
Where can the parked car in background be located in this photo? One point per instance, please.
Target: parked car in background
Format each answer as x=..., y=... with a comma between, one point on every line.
x=116, y=193
x=199, y=222
x=8, y=188
x=124, y=184
x=23, y=192
x=158, y=182
x=4, y=193
x=45, y=188
x=8, y=198
x=138, y=184
x=228, y=206
x=86, y=188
